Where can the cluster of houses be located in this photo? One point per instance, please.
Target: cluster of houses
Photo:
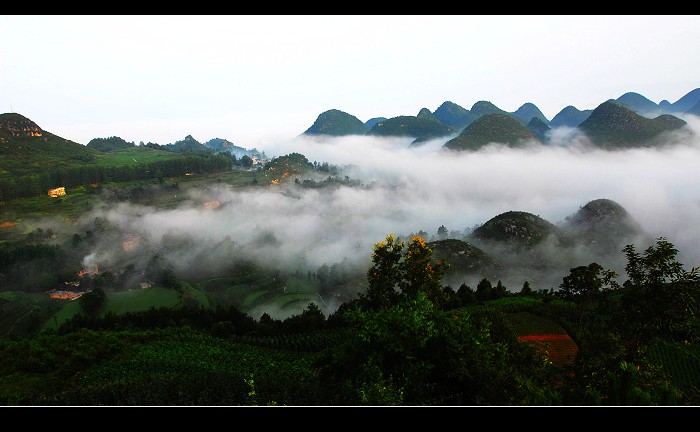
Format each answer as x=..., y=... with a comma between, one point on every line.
x=72, y=289
x=66, y=295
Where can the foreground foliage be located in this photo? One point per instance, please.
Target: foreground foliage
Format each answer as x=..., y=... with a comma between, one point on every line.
x=407, y=341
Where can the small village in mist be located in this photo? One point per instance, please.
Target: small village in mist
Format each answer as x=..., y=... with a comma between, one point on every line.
x=285, y=227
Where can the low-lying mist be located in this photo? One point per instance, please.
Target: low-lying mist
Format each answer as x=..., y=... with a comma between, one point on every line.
x=407, y=189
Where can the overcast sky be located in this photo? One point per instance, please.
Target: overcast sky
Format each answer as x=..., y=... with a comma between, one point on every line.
x=256, y=80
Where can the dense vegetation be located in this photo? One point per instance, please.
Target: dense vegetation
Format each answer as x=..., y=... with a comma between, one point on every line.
x=408, y=340
x=85, y=174
x=109, y=144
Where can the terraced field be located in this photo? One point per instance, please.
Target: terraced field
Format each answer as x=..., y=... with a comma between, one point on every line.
x=546, y=335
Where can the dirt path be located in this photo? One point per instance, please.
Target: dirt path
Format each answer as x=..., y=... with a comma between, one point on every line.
x=12, y=327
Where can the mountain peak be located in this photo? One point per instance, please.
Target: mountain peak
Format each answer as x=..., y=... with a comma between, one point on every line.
x=498, y=127
x=570, y=116
x=518, y=228
x=605, y=224
x=637, y=103
x=686, y=102
x=16, y=125
x=529, y=110
x=425, y=113
x=612, y=124
x=452, y=114
x=484, y=107
x=335, y=122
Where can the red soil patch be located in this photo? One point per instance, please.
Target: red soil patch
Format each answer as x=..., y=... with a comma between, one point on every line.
x=559, y=348
x=7, y=224
x=544, y=337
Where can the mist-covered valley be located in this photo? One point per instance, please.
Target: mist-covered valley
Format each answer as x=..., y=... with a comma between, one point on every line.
x=402, y=189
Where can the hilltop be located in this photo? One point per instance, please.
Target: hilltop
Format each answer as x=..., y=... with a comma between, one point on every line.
x=336, y=123
x=612, y=125
x=27, y=149
x=638, y=103
x=491, y=128
x=569, y=117
x=35, y=160
x=107, y=145
x=464, y=258
x=452, y=114
x=516, y=228
x=528, y=111
x=410, y=126
x=604, y=225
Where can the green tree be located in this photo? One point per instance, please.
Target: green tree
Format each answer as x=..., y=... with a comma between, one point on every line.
x=466, y=294
x=421, y=273
x=500, y=290
x=246, y=161
x=484, y=290
x=92, y=301
x=396, y=272
x=583, y=286
x=414, y=353
x=384, y=274
x=169, y=279
x=659, y=299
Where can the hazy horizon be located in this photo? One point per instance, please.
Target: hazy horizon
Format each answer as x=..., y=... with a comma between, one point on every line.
x=258, y=80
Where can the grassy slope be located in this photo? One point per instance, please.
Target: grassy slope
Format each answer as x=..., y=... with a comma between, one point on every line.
x=129, y=301
x=134, y=156
x=257, y=292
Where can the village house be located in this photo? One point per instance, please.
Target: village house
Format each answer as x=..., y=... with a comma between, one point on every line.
x=89, y=271
x=65, y=295
x=212, y=204
x=57, y=192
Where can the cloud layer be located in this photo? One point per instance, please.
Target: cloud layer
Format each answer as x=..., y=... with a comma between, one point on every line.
x=410, y=189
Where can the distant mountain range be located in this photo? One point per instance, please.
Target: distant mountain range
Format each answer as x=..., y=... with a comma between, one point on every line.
x=628, y=121
x=186, y=145
x=411, y=126
x=632, y=120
